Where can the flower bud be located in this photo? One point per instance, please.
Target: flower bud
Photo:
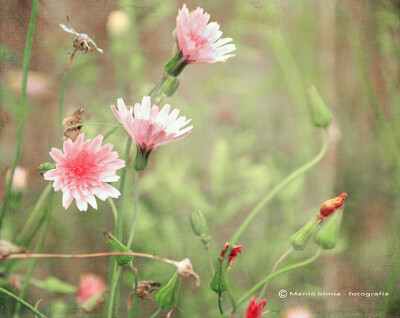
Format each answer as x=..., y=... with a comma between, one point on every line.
x=175, y=65
x=170, y=86
x=332, y=205
x=205, y=238
x=168, y=296
x=91, y=291
x=140, y=162
x=45, y=166
x=300, y=238
x=321, y=116
x=198, y=221
x=255, y=308
x=118, y=247
x=218, y=283
x=327, y=236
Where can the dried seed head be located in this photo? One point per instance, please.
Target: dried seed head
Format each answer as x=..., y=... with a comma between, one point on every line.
x=77, y=118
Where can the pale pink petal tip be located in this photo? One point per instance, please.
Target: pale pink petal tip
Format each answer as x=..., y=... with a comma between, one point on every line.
x=84, y=167
x=150, y=127
x=200, y=40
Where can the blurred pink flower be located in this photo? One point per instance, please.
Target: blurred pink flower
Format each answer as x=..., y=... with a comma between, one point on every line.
x=90, y=285
x=19, y=178
x=149, y=127
x=297, y=312
x=200, y=40
x=83, y=171
x=254, y=310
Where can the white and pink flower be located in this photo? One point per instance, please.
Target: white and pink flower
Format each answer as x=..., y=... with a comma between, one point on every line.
x=150, y=127
x=199, y=40
x=83, y=170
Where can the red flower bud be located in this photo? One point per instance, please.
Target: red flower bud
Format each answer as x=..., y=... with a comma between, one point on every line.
x=254, y=310
x=332, y=205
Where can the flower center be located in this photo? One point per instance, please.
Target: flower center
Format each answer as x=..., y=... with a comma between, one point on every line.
x=199, y=40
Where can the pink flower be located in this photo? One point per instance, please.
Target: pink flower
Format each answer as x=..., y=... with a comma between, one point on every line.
x=83, y=170
x=149, y=127
x=254, y=310
x=90, y=285
x=200, y=40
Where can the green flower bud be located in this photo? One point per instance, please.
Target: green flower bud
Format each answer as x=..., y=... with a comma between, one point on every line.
x=118, y=247
x=205, y=238
x=327, y=236
x=139, y=163
x=168, y=296
x=321, y=116
x=218, y=284
x=300, y=238
x=169, y=86
x=45, y=166
x=175, y=65
x=198, y=221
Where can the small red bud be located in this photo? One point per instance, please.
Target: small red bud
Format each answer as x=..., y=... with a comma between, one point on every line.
x=332, y=205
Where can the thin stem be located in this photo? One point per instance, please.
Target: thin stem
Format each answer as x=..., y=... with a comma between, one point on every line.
x=36, y=250
x=290, y=250
x=209, y=260
x=135, y=209
x=22, y=104
x=94, y=255
x=258, y=208
x=110, y=132
x=280, y=272
x=62, y=94
x=154, y=91
x=98, y=124
x=34, y=215
x=221, y=311
x=122, y=188
x=22, y=302
x=116, y=274
x=269, y=196
x=114, y=294
x=113, y=209
x=130, y=312
x=156, y=313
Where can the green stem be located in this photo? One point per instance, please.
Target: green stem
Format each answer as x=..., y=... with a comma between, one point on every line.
x=156, y=313
x=34, y=215
x=154, y=91
x=36, y=250
x=284, y=255
x=109, y=133
x=258, y=208
x=130, y=312
x=277, y=273
x=115, y=282
x=135, y=209
x=114, y=294
x=22, y=104
x=61, y=102
x=221, y=311
x=113, y=209
x=99, y=124
x=22, y=302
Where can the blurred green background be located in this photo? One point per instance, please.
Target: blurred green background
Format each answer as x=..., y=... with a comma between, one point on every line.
x=251, y=129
